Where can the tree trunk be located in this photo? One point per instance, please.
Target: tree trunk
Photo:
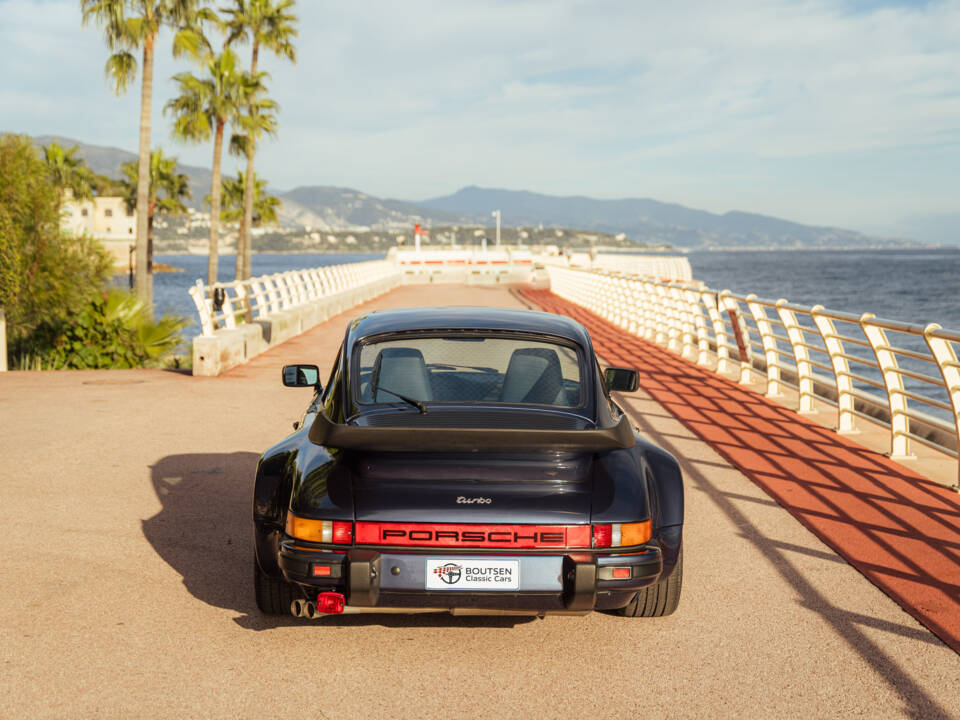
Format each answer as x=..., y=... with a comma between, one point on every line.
x=150, y=248
x=213, y=259
x=247, y=222
x=248, y=212
x=143, y=265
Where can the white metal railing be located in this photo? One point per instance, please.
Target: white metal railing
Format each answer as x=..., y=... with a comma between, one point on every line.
x=854, y=362
x=225, y=305
x=661, y=267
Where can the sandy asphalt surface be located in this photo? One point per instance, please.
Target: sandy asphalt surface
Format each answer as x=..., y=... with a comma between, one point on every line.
x=127, y=592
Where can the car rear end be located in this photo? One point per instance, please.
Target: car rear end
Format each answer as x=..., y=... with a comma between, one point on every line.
x=503, y=534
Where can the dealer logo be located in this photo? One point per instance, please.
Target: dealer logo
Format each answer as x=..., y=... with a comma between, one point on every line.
x=449, y=573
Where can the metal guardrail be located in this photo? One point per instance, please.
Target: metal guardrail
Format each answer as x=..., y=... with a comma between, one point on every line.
x=858, y=363
x=225, y=305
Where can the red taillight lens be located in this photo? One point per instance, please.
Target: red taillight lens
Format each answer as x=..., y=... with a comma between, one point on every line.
x=342, y=533
x=602, y=535
x=621, y=534
x=321, y=571
x=621, y=573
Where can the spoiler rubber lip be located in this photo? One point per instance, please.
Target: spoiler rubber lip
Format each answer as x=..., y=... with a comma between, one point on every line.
x=324, y=431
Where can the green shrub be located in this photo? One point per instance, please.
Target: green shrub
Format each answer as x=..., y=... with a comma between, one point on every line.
x=114, y=330
x=45, y=275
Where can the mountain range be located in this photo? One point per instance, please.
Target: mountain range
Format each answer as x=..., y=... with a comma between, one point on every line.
x=642, y=219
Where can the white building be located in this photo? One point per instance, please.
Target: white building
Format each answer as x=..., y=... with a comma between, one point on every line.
x=105, y=218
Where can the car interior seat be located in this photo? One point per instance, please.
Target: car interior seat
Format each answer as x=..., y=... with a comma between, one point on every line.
x=534, y=376
x=402, y=370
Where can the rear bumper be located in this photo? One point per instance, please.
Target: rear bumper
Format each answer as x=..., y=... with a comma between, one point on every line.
x=575, y=581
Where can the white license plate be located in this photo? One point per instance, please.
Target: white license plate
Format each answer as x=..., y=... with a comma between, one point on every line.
x=467, y=574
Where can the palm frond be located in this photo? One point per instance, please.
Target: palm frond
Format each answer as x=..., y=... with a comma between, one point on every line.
x=121, y=69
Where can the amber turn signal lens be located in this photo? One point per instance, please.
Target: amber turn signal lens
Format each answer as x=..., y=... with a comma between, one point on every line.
x=634, y=533
x=306, y=528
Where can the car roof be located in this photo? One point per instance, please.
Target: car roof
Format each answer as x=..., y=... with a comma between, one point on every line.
x=467, y=318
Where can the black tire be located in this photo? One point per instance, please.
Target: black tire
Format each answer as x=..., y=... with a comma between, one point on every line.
x=273, y=596
x=657, y=600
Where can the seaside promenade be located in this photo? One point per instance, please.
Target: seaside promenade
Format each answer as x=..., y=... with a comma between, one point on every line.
x=125, y=503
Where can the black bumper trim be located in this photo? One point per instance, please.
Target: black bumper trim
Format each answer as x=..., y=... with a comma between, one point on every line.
x=358, y=571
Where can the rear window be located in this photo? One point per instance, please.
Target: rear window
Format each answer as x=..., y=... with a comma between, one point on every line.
x=470, y=369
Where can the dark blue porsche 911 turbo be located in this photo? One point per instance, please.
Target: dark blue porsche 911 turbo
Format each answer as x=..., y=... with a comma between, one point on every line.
x=466, y=459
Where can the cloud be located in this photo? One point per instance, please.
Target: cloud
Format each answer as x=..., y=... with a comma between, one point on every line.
x=812, y=110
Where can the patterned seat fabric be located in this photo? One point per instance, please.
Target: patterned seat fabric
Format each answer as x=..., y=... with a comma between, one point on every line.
x=401, y=370
x=534, y=376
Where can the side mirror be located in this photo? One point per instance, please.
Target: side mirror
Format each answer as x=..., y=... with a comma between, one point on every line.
x=301, y=376
x=621, y=379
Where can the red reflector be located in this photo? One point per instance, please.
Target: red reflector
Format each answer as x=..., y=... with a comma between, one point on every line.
x=621, y=573
x=602, y=535
x=342, y=532
x=321, y=570
x=330, y=603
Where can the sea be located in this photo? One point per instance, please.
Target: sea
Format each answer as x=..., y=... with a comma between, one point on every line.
x=917, y=286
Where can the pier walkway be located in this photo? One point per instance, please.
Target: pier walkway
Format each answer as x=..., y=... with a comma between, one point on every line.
x=125, y=505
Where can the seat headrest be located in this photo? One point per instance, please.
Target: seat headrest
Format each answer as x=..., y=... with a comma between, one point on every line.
x=402, y=370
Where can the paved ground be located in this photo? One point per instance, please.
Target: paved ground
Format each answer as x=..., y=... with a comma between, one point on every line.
x=125, y=503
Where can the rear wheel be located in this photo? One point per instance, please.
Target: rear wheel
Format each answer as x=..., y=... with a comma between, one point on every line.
x=657, y=600
x=273, y=596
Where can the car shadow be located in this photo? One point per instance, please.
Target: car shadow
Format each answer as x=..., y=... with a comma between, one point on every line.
x=204, y=531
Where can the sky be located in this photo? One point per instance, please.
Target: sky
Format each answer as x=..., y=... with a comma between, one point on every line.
x=842, y=113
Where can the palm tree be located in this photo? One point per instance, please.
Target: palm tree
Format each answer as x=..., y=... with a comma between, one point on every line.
x=205, y=106
x=129, y=26
x=265, y=206
x=68, y=172
x=166, y=191
x=271, y=25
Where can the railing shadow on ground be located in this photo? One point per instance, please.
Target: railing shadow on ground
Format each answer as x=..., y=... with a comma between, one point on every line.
x=847, y=625
x=900, y=530
x=204, y=532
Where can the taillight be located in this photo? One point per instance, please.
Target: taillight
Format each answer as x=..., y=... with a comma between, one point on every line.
x=621, y=534
x=602, y=535
x=342, y=532
x=320, y=531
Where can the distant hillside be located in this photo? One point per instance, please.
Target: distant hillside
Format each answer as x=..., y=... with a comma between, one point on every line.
x=651, y=221
x=643, y=220
x=107, y=161
x=333, y=208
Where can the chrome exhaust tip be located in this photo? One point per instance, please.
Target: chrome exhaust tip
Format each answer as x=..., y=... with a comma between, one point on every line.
x=310, y=611
x=297, y=608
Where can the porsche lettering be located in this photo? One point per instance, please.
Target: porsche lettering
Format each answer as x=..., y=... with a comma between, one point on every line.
x=471, y=536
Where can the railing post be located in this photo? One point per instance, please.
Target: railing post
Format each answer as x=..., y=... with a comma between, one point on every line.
x=946, y=357
x=841, y=371
x=229, y=316
x=203, y=308
x=666, y=335
x=711, y=302
x=684, y=321
x=769, y=341
x=893, y=381
x=693, y=299
x=801, y=355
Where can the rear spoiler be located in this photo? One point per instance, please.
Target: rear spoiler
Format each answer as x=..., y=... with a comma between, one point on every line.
x=418, y=439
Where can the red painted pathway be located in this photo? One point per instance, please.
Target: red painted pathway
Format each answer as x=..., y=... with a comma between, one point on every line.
x=899, y=529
